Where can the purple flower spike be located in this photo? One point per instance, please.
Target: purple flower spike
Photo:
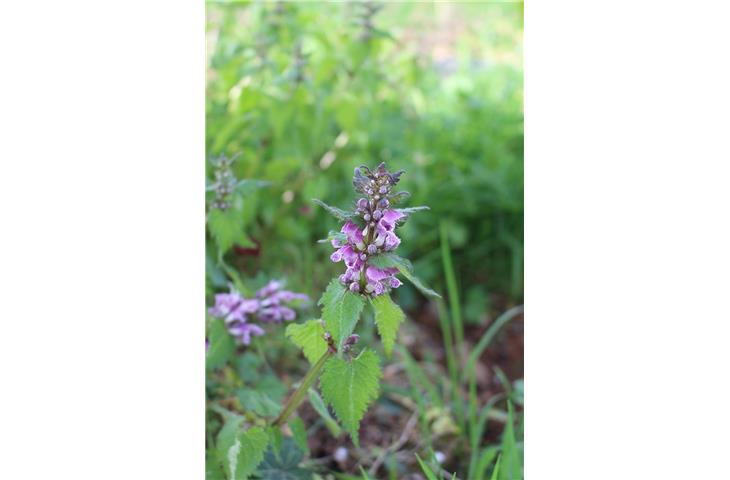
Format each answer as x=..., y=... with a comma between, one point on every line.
x=373, y=236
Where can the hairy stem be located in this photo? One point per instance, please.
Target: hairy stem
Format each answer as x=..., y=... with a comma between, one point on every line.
x=296, y=399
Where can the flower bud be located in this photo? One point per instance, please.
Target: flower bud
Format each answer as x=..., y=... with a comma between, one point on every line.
x=370, y=288
x=365, y=231
x=383, y=189
x=366, y=217
x=363, y=257
x=352, y=339
x=362, y=204
x=377, y=215
x=372, y=249
x=384, y=203
x=354, y=287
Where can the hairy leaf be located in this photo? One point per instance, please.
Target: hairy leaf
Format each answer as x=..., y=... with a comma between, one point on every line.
x=349, y=386
x=340, y=312
x=284, y=464
x=221, y=345
x=238, y=451
x=388, y=317
x=410, y=210
x=404, y=266
x=336, y=212
x=309, y=336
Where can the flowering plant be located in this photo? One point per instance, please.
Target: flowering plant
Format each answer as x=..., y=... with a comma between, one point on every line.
x=349, y=377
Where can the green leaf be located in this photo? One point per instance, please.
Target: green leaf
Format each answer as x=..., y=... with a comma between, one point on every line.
x=227, y=229
x=388, y=317
x=299, y=433
x=339, y=236
x=309, y=336
x=221, y=345
x=241, y=452
x=404, y=266
x=495, y=472
x=410, y=210
x=511, y=468
x=285, y=465
x=426, y=469
x=336, y=212
x=213, y=470
x=259, y=403
x=349, y=386
x=341, y=311
x=318, y=404
x=237, y=451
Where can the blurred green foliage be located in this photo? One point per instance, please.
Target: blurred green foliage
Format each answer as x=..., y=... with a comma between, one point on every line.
x=304, y=92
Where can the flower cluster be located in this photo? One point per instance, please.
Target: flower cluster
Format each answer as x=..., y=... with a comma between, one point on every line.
x=358, y=243
x=225, y=182
x=269, y=306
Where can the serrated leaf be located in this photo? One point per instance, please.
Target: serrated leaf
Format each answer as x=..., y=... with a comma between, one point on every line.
x=226, y=227
x=285, y=465
x=349, y=386
x=318, y=404
x=404, y=266
x=259, y=403
x=388, y=317
x=341, y=311
x=220, y=346
x=241, y=456
x=336, y=212
x=309, y=336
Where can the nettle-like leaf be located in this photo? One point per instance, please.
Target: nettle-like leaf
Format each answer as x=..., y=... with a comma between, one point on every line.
x=404, y=266
x=221, y=345
x=341, y=310
x=299, y=433
x=388, y=317
x=309, y=336
x=336, y=212
x=349, y=386
x=284, y=463
x=227, y=229
x=240, y=452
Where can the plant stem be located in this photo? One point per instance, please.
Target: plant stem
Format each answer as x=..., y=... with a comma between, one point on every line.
x=296, y=399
